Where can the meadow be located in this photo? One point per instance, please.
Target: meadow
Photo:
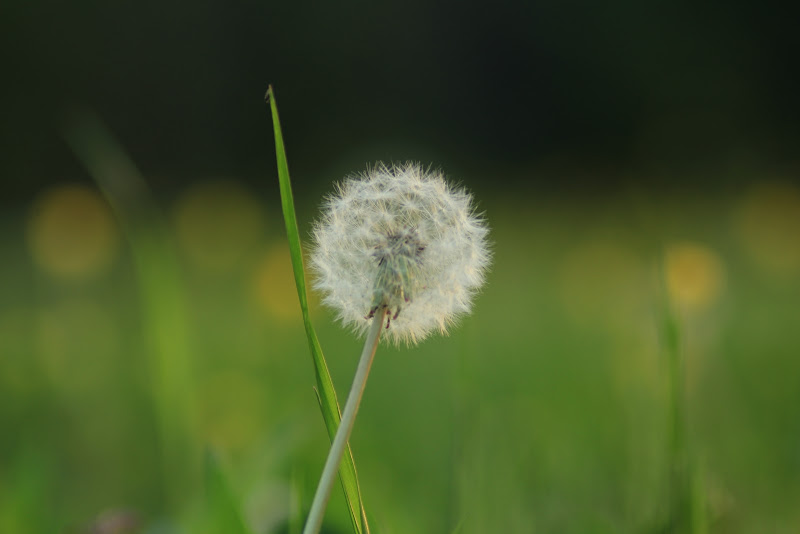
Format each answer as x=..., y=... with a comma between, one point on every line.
x=154, y=371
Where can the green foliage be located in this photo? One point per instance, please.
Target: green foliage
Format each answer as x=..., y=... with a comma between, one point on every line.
x=26, y=491
x=222, y=513
x=162, y=298
x=549, y=410
x=326, y=394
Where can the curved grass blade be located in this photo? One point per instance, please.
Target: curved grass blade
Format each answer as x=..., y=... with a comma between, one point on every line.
x=161, y=293
x=325, y=391
x=222, y=509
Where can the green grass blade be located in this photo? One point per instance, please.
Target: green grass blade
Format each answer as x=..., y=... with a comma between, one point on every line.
x=686, y=502
x=163, y=303
x=27, y=490
x=295, y=519
x=222, y=512
x=325, y=391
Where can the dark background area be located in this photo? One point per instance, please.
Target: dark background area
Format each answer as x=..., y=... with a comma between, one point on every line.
x=629, y=157
x=547, y=94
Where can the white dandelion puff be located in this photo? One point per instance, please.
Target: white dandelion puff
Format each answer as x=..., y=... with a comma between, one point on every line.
x=399, y=240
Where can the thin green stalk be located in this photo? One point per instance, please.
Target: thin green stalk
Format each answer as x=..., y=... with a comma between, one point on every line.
x=326, y=394
x=162, y=297
x=678, y=452
x=686, y=502
x=345, y=427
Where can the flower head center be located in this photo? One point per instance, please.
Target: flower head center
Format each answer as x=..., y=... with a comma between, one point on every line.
x=398, y=254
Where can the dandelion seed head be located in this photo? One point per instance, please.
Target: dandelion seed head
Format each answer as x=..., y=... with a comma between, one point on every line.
x=399, y=239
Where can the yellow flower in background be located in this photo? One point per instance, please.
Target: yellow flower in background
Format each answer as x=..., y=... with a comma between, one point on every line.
x=218, y=224
x=71, y=233
x=602, y=281
x=768, y=227
x=694, y=274
x=232, y=409
x=77, y=342
x=274, y=287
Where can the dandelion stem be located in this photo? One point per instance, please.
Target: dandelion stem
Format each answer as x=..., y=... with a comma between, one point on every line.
x=323, y=493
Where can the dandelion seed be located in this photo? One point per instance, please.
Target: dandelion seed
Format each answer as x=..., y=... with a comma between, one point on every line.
x=400, y=240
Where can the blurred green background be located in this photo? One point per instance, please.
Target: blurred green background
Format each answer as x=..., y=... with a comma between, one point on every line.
x=625, y=156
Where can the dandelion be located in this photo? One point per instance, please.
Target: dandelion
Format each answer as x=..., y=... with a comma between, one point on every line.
x=400, y=240
x=401, y=245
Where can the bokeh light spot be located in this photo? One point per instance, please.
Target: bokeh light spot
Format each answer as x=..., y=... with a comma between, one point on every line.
x=768, y=224
x=694, y=274
x=232, y=409
x=602, y=281
x=275, y=289
x=218, y=223
x=71, y=233
x=77, y=342
x=17, y=373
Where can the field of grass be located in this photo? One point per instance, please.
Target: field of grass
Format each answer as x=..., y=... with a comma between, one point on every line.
x=131, y=352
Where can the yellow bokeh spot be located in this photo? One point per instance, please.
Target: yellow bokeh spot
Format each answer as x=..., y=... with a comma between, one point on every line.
x=218, y=224
x=768, y=224
x=18, y=375
x=71, y=233
x=274, y=286
x=602, y=281
x=77, y=342
x=694, y=274
x=232, y=409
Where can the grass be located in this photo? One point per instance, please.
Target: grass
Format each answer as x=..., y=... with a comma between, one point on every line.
x=326, y=394
x=162, y=299
x=546, y=411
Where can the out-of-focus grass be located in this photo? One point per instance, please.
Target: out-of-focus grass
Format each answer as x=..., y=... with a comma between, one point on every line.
x=544, y=411
x=163, y=305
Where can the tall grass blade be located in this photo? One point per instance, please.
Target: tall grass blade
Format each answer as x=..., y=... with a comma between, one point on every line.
x=326, y=394
x=295, y=519
x=162, y=298
x=222, y=512
x=685, y=505
x=27, y=490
